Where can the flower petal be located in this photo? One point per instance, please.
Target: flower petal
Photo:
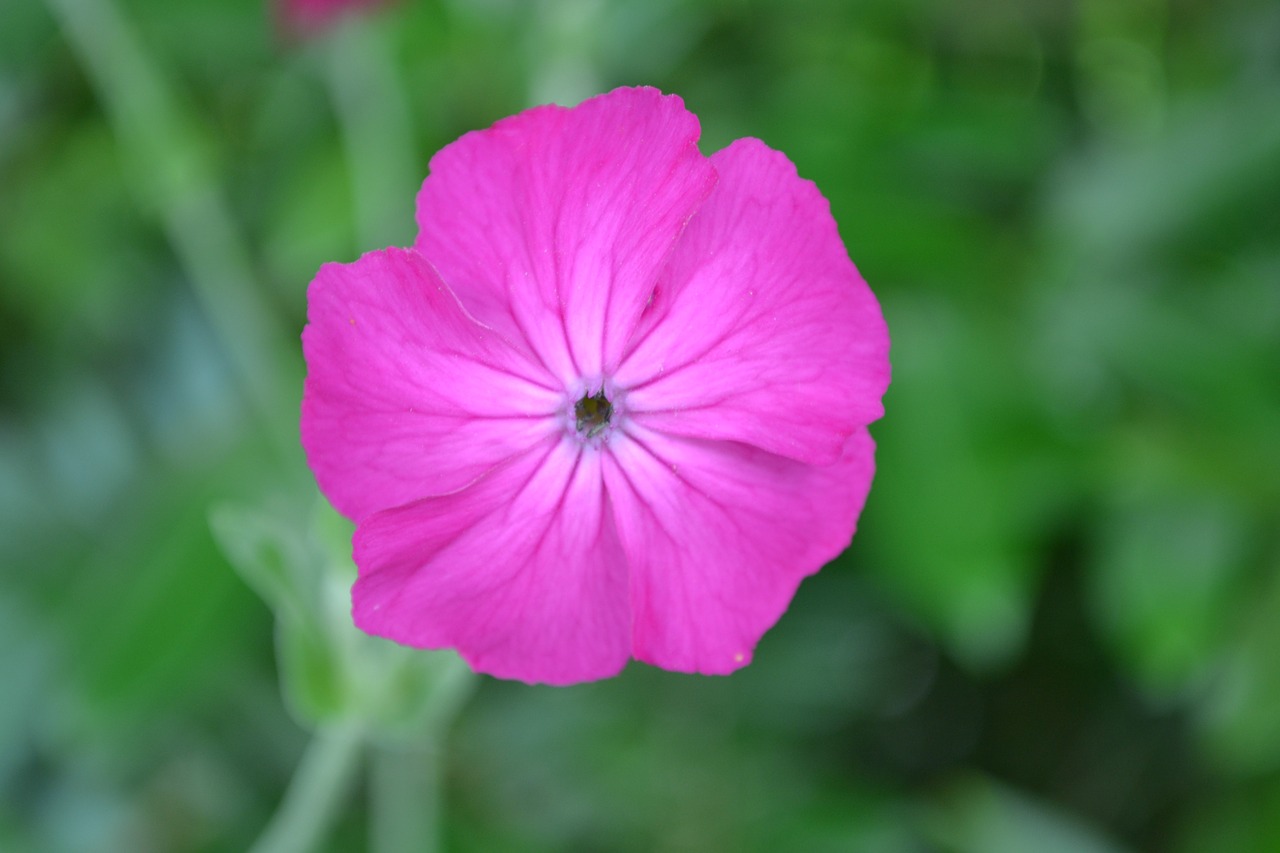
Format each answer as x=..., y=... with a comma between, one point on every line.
x=718, y=536
x=761, y=330
x=521, y=572
x=406, y=395
x=553, y=224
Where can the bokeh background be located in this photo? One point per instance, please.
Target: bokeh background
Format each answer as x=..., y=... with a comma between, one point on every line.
x=1058, y=628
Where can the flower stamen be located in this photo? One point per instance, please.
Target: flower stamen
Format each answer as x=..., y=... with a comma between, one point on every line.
x=592, y=414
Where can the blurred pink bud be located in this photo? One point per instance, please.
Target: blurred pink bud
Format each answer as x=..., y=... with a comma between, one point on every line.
x=307, y=18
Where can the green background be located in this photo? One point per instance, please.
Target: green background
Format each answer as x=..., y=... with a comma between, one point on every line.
x=1058, y=628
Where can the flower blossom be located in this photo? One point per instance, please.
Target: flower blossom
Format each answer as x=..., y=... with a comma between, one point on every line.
x=612, y=403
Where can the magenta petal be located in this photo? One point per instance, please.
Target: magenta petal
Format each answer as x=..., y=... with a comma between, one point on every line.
x=521, y=572
x=719, y=535
x=406, y=395
x=762, y=330
x=553, y=224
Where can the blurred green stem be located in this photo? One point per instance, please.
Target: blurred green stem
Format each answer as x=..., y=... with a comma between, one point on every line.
x=405, y=797
x=566, y=33
x=373, y=119
x=169, y=161
x=407, y=786
x=315, y=794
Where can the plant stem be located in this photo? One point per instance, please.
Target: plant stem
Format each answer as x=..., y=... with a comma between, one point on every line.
x=374, y=121
x=405, y=797
x=316, y=792
x=407, y=788
x=170, y=163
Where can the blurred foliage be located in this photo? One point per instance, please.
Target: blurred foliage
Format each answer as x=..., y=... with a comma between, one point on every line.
x=331, y=673
x=1059, y=625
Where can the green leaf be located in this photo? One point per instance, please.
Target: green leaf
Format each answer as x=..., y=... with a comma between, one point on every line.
x=332, y=533
x=329, y=669
x=964, y=478
x=421, y=690
x=312, y=676
x=1164, y=583
x=978, y=815
x=1240, y=717
x=275, y=553
x=262, y=551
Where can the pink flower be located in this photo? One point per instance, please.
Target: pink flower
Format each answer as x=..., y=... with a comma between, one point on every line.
x=612, y=403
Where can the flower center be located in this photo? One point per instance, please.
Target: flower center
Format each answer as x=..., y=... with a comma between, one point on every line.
x=592, y=414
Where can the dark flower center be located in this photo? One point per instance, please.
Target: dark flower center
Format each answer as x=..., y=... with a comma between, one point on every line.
x=592, y=414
